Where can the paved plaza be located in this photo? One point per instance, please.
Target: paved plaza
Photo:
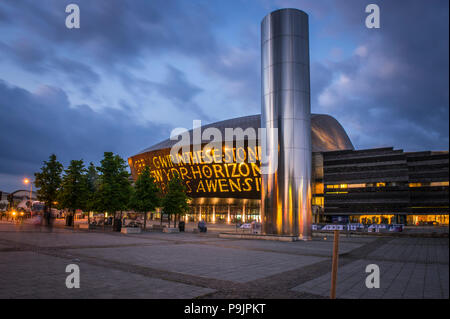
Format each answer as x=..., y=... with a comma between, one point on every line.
x=190, y=265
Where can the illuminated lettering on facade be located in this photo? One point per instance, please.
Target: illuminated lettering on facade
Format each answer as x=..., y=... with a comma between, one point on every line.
x=235, y=173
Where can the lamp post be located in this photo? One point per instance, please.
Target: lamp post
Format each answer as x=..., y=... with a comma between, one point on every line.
x=26, y=181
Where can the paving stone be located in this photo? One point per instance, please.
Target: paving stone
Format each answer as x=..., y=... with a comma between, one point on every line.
x=206, y=261
x=187, y=265
x=45, y=278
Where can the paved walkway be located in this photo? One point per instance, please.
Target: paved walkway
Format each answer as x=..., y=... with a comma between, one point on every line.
x=186, y=265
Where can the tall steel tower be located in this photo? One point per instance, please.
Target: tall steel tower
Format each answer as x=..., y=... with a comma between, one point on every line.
x=286, y=193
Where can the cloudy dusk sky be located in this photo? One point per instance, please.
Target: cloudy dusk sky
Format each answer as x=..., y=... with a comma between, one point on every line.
x=137, y=69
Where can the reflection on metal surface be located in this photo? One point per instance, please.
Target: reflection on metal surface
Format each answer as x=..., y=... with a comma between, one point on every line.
x=286, y=194
x=206, y=180
x=327, y=134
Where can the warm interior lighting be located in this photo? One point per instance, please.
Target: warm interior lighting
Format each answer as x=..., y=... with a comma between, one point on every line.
x=418, y=219
x=318, y=188
x=356, y=185
x=343, y=186
x=337, y=192
x=439, y=184
x=338, y=186
x=318, y=201
x=374, y=218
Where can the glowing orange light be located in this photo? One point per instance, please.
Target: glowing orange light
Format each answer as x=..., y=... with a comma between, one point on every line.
x=26, y=181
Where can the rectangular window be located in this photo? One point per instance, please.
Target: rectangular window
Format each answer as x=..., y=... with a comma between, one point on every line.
x=356, y=185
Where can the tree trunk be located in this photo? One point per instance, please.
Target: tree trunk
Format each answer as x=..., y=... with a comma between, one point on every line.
x=49, y=214
x=168, y=218
x=114, y=221
x=175, y=221
x=73, y=218
x=160, y=215
x=145, y=220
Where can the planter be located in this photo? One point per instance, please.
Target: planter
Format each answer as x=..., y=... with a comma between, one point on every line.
x=131, y=230
x=158, y=227
x=171, y=230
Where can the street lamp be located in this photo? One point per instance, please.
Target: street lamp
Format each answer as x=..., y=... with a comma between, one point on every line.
x=26, y=181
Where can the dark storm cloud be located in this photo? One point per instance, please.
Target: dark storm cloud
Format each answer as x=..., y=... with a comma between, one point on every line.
x=392, y=92
x=116, y=35
x=30, y=57
x=112, y=30
x=81, y=75
x=33, y=58
x=175, y=87
x=321, y=77
x=397, y=93
x=37, y=124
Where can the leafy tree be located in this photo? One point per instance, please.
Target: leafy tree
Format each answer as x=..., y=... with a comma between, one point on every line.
x=114, y=187
x=48, y=181
x=146, y=194
x=175, y=201
x=93, y=182
x=74, y=191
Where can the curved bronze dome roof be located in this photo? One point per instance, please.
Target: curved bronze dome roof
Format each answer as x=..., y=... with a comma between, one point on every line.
x=327, y=133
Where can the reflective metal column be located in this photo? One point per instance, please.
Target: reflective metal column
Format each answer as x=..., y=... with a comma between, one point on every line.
x=286, y=194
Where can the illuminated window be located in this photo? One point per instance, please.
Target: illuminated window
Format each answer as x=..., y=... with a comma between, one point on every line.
x=317, y=201
x=356, y=185
x=415, y=184
x=439, y=184
x=337, y=186
x=318, y=188
x=381, y=184
x=337, y=192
